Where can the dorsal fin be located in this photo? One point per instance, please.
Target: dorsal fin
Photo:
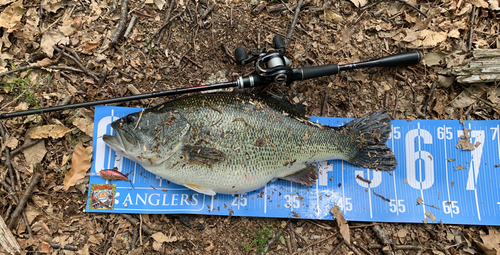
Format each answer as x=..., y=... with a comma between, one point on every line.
x=284, y=103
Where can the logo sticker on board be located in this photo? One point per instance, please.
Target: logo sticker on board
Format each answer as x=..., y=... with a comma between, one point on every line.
x=102, y=196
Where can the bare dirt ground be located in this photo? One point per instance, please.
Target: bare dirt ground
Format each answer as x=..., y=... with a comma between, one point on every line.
x=194, y=45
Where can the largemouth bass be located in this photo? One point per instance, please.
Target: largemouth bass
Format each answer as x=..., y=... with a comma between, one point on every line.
x=232, y=143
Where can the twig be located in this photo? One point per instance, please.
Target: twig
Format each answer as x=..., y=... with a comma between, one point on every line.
x=399, y=247
x=280, y=230
x=363, y=249
x=134, y=240
x=13, y=172
x=24, y=199
x=317, y=242
x=325, y=102
x=207, y=11
x=297, y=234
x=363, y=179
x=412, y=6
x=140, y=229
x=229, y=55
x=381, y=235
x=135, y=91
x=161, y=31
x=135, y=221
x=51, y=25
x=378, y=195
x=20, y=69
x=65, y=247
x=353, y=249
x=337, y=248
x=480, y=99
x=121, y=24
x=23, y=147
x=130, y=26
x=429, y=96
x=78, y=63
x=364, y=226
x=472, y=17
x=294, y=21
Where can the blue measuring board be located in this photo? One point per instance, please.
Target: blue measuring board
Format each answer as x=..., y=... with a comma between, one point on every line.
x=433, y=178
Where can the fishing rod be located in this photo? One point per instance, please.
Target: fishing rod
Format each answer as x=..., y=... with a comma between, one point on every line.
x=271, y=65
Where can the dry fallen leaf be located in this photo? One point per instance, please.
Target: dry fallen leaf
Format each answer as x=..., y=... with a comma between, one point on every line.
x=51, y=38
x=428, y=38
x=11, y=142
x=51, y=5
x=494, y=5
x=344, y=228
x=11, y=16
x=430, y=215
x=85, y=124
x=31, y=27
x=80, y=163
x=162, y=238
x=479, y=3
x=54, y=131
x=491, y=242
x=34, y=154
x=359, y=3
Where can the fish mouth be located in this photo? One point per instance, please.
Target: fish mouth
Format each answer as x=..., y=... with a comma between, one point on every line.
x=123, y=142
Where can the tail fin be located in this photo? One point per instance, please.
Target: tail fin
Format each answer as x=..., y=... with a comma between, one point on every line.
x=372, y=131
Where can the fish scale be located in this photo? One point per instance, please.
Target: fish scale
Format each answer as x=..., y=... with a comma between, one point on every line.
x=236, y=143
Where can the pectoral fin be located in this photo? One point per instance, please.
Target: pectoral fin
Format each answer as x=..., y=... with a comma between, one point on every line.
x=305, y=176
x=200, y=189
x=203, y=155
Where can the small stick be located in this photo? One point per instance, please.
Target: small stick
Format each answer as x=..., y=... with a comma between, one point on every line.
x=337, y=248
x=399, y=247
x=134, y=221
x=412, y=6
x=472, y=17
x=363, y=179
x=275, y=237
x=364, y=226
x=78, y=63
x=207, y=11
x=297, y=234
x=294, y=21
x=51, y=25
x=226, y=50
x=160, y=32
x=130, y=26
x=384, y=198
x=363, y=249
x=65, y=247
x=20, y=69
x=121, y=25
x=317, y=242
x=24, y=199
x=135, y=91
x=140, y=229
x=23, y=147
x=325, y=101
x=14, y=173
x=429, y=96
x=171, y=19
x=134, y=240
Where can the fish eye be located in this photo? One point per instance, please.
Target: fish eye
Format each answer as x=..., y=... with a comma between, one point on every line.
x=131, y=118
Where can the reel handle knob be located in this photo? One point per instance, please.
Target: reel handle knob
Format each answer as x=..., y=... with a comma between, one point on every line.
x=240, y=54
x=278, y=42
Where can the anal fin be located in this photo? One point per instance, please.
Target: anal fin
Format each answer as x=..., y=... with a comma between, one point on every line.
x=305, y=176
x=200, y=189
